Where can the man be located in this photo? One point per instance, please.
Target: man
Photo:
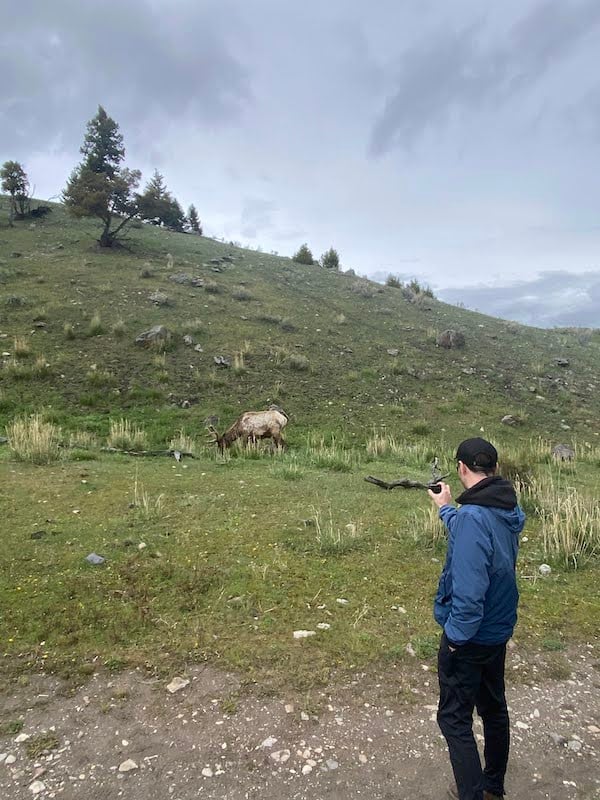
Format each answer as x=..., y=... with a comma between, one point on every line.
x=476, y=605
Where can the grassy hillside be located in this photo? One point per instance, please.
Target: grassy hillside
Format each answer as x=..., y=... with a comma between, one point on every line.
x=223, y=558
x=313, y=341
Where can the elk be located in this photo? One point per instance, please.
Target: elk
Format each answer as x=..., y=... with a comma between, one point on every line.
x=252, y=426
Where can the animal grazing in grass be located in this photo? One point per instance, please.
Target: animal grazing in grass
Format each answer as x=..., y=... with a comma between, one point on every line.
x=252, y=426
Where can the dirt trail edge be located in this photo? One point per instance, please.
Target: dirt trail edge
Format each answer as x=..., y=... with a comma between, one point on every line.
x=126, y=736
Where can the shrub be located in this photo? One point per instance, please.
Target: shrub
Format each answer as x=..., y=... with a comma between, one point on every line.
x=100, y=377
x=211, y=287
x=96, y=328
x=125, y=436
x=363, y=289
x=298, y=362
x=41, y=367
x=287, y=325
x=393, y=282
x=118, y=329
x=239, y=365
x=242, y=294
x=15, y=301
x=21, y=347
x=303, y=255
x=31, y=439
x=68, y=330
x=340, y=319
x=330, y=259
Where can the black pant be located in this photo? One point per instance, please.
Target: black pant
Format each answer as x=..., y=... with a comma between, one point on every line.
x=473, y=675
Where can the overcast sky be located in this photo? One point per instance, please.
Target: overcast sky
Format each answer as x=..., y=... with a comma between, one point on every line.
x=456, y=142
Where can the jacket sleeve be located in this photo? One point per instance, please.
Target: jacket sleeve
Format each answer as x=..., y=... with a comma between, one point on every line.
x=471, y=561
x=448, y=516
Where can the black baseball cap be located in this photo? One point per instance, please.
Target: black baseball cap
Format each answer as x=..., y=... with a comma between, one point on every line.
x=477, y=454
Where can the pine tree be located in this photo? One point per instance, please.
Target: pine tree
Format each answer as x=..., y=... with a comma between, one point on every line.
x=158, y=206
x=330, y=259
x=303, y=256
x=193, y=221
x=103, y=144
x=99, y=186
x=16, y=183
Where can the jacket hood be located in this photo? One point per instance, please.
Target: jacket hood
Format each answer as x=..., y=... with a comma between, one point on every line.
x=493, y=492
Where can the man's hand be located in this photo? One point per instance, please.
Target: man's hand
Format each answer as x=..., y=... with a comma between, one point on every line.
x=442, y=498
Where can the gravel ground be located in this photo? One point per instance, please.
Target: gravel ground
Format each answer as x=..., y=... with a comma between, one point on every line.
x=374, y=736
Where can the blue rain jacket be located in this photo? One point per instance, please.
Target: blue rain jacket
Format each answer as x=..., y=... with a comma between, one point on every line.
x=477, y=595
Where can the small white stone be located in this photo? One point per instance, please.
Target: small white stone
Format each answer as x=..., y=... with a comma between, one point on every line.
x=289, y=708
x=269, y=741
x=36, y=787
x=127, y=766
x=177, y=684
x=303, y=634
x=574, y=745
x=306, y=769
x=522, y=725
x=331, y=764
x=323, y=626
x=10, y=759
x=342, y=601
x=362, y=758
x=281, y=756
x=545, y=569
x=207, y=772
x=304, y=716
x=22, y=737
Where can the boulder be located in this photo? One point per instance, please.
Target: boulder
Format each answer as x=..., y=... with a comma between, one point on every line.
x=510, y=419
x=450, y=339
x=561, y=362
x=158, y=334
x=183, y=278
x=159, y=298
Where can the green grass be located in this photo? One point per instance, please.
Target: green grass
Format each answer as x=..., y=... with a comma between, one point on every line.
x=227, y=577
x=232, y=563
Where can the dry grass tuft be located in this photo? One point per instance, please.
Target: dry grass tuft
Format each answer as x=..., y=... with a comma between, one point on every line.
x=125, y=436
x=31, y=439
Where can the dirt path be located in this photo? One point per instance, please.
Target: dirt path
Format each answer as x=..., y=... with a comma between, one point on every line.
x=211, y=740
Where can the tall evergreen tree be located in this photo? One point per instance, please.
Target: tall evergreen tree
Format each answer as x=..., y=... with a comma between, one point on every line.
x=99, y=186
x=102, y=147
x=303, y=255
x=193, y=220
x=330, y=259
x=158, y=206
x=16, y=183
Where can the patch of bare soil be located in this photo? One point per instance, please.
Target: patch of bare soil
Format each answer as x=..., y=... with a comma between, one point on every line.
x=373, y=737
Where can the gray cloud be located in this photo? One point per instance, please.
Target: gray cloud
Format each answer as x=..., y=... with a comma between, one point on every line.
x=261, y=114
x=458, y=69
x=59, y=60
x=554, y=298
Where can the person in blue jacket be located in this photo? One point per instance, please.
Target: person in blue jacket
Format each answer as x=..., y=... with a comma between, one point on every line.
x=476, y=606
